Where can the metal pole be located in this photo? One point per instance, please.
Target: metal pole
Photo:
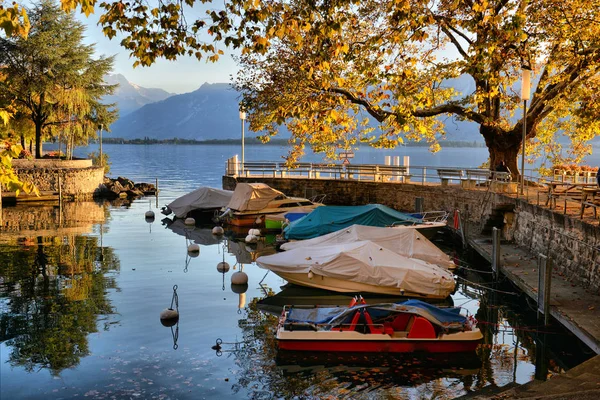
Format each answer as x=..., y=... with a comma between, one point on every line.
x=101, y=158
x=243, y=144
x=523, y=149
x=496, y=252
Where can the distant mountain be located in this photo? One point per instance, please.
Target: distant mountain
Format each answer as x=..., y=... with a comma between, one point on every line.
x=211, y=112
x=130, y=97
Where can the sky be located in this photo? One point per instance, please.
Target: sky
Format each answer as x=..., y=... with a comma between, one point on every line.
x=182, y=76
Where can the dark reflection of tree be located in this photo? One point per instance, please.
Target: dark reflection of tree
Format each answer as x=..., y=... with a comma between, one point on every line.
x=56, y=293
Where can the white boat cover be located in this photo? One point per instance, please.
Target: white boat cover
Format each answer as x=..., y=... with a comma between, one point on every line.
x=201, y=198
x=404, y=240
x=364, y=262
x=252, y=196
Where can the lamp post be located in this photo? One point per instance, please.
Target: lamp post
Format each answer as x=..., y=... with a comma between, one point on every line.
x=243, y=119
x=525, y=95
x=101, y=158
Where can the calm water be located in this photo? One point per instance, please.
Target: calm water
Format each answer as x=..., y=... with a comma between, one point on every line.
x=81, y=294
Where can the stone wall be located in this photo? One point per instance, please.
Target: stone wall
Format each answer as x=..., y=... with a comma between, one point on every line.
x=51, y=163
x=570, y=243
x=81, y=183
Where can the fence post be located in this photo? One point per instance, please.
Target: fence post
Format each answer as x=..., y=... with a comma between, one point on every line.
x=544, y=283
x=496, y=252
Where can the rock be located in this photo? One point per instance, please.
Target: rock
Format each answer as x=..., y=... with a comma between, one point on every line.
x=146, y=188
x=127, y=184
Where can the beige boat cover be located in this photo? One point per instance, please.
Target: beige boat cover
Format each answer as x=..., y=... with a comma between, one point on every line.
x=202, y=198
x=364, y=262
x=252, y=196
x=404, y=240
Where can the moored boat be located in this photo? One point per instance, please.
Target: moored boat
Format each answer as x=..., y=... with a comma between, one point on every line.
x=360, y=267
x=403, y=240
x=251, y=202
x=411, y=326
x=200, y=204
x=324, y=220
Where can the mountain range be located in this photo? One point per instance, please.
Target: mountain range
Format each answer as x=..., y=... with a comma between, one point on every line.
x=211, y=112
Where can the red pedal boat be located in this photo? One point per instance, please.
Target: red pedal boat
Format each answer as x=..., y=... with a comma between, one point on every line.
x=411, y=326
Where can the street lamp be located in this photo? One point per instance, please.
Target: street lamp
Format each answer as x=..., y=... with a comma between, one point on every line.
x=243, y=119
x=525, y=95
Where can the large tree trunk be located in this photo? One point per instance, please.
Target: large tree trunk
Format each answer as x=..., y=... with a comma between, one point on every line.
x=38, y=140
x=503, y=146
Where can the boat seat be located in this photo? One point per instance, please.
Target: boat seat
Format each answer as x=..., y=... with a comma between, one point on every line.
x=421, y=329
x=299, y=326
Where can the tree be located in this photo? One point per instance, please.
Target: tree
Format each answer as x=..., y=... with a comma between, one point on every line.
x=319, y=65
x=53, y=78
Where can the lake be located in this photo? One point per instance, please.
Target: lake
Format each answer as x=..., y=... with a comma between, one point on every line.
x=82, y=288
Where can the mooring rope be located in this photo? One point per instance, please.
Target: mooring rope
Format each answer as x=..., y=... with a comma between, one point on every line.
x=487, y=288
x=175, y=299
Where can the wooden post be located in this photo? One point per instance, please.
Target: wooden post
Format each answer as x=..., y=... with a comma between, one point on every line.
x=544, y=284
x=59, y=188
x=156, y=192
x=496, y=252
x=419, y=205
x=565, y=212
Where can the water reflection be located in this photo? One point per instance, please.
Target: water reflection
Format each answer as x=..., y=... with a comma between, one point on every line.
x=58, y=284
x=54, y=292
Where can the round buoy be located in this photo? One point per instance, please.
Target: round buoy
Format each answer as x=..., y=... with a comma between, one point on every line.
x=223, y=267
x=218, y=230
x=239, y=278
x=149, y=214
x=169, y=317
x=194, y=248
x=149, y=219
x=239, y=289
x=190, y=221
x=254, y=232
x=251, y=239
x=310, y=274
x=258, y=220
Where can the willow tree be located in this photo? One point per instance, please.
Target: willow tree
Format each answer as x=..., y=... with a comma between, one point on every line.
x=52, y=76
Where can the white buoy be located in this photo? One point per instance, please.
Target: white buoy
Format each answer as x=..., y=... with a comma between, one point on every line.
x=218, y=230
x=258, y=220
x=223, y=267
x=251, y=239
x=169, y=317
x=149, y=214
x=310, y=274
x=190, y=221
x=239, y=278
x=194, y=248
x=254, y=232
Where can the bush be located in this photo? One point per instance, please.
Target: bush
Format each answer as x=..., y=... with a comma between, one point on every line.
x=104, y=161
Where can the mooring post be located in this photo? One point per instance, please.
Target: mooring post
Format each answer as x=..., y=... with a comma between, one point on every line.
x=419, y=205
x=544, y=283
x=565, y=213
x=538, y=198
x=496, y=252
x=156, y=191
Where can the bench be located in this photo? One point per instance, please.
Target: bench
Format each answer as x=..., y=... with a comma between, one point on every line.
x=477, y=176
x=446, y=175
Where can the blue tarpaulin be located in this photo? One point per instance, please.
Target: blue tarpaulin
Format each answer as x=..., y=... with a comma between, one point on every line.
x=327, y=219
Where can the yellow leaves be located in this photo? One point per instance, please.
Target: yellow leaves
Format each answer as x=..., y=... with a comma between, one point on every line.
x=14, y=21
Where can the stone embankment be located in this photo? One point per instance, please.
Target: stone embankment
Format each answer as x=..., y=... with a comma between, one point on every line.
x=77, y=179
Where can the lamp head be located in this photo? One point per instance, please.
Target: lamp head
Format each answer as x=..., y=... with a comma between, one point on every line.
x=242, y=112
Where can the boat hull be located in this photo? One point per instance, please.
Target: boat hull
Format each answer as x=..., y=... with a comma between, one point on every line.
x=379, y=346
x=345, y=286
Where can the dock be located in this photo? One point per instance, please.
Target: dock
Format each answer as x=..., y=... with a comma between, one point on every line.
x=576, y=308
